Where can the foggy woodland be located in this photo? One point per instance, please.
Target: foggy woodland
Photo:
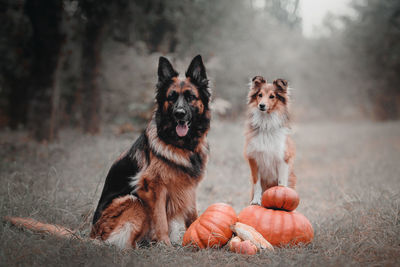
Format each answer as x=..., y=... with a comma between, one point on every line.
x=77, y=87
x=89, y=64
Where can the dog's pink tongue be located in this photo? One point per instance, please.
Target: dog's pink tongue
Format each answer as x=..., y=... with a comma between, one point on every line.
x=182, y=130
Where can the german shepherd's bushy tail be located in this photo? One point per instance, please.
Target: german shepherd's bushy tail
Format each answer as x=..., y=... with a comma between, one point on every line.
x=46, y=228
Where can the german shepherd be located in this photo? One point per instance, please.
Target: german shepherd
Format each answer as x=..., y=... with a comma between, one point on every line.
x=269, y=149
x=155, y=181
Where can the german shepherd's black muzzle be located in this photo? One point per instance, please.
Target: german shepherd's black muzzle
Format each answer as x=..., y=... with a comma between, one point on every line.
x=182, y=115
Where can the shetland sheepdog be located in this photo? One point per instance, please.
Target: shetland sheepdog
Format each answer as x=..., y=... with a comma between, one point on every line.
x=154, y=182
x=269, y=149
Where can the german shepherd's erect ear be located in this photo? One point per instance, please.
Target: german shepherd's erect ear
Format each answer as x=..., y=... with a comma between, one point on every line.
x=196, y=70
x=198, y=76
x=165, y=71
x=165, y=74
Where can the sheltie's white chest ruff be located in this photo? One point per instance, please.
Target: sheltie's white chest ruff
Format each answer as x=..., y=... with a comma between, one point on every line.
x=268, y=144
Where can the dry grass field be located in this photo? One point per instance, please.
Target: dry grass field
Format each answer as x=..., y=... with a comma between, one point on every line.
x=349, y=186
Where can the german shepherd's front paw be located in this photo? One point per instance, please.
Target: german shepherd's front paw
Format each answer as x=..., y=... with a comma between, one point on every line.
x=166, y=241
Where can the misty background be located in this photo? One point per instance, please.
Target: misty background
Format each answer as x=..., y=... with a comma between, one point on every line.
x=91, y=64
x=77, y=86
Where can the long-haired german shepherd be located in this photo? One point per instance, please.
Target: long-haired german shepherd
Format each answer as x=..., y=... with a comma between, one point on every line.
x=155, y=180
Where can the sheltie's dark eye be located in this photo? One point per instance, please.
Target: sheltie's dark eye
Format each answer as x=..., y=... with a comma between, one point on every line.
x=260, y=95
x=271, y=96
x=172, y=96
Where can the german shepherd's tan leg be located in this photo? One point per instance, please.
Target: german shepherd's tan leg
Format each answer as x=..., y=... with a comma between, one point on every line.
x=191, y=214
x=254, y=179
x=159, y=215
x=154, y=195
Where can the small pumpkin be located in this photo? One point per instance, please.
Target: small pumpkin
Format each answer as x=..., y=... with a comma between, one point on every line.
x=277, y=226
x=246, y=232
x=212, y=228
x=280, y=197
x=243, y=247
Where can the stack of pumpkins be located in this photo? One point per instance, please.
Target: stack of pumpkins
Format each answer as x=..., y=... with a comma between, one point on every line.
x=275, y=223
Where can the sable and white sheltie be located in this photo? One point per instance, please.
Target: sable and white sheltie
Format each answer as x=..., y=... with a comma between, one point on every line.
x=154, y=182
x=269, y=149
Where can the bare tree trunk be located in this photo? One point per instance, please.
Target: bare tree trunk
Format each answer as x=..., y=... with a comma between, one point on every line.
x=56, y=96
x=91, y=94
x=46, y=17
x=18, y=101
x=15, y=62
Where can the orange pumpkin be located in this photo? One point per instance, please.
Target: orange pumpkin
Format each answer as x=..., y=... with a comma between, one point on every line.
x=280, y=197
x=212, y=228
x=277, y=226
x=243, y=247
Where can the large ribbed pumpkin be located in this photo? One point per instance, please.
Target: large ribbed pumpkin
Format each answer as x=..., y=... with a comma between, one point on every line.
x=212, y=228
x=277, y=226
x=280, y=197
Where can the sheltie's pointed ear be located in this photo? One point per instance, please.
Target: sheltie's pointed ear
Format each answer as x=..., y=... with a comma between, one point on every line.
x=165, y=70
x=196, y=70
x=257, y=82
x=281, y=85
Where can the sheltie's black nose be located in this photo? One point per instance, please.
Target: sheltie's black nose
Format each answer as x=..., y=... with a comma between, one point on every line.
x=261, y=106
x=179, y=113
